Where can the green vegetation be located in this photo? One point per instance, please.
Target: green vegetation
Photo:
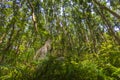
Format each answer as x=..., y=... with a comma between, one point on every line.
x=81, y=39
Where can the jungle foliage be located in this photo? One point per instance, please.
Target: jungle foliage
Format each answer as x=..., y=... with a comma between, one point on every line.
x=84, y=35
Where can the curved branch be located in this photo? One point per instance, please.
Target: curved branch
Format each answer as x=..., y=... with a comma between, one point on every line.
x=33, y=15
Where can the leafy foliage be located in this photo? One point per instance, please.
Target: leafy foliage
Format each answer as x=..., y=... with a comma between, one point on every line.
x=85, y=37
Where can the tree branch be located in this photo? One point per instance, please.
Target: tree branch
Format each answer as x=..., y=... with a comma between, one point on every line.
x=1, y=39
x=33, y=15
x=107, y=9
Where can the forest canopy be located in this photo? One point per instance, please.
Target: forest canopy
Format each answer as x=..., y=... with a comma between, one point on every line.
x=59, y=40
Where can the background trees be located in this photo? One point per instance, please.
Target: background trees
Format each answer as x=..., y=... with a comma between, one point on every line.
x=81, y=31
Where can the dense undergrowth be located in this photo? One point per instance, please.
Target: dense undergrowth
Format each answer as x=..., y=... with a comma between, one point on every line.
x=90, y=66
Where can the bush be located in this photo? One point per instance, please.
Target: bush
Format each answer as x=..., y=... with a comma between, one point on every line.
x=67, y=69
